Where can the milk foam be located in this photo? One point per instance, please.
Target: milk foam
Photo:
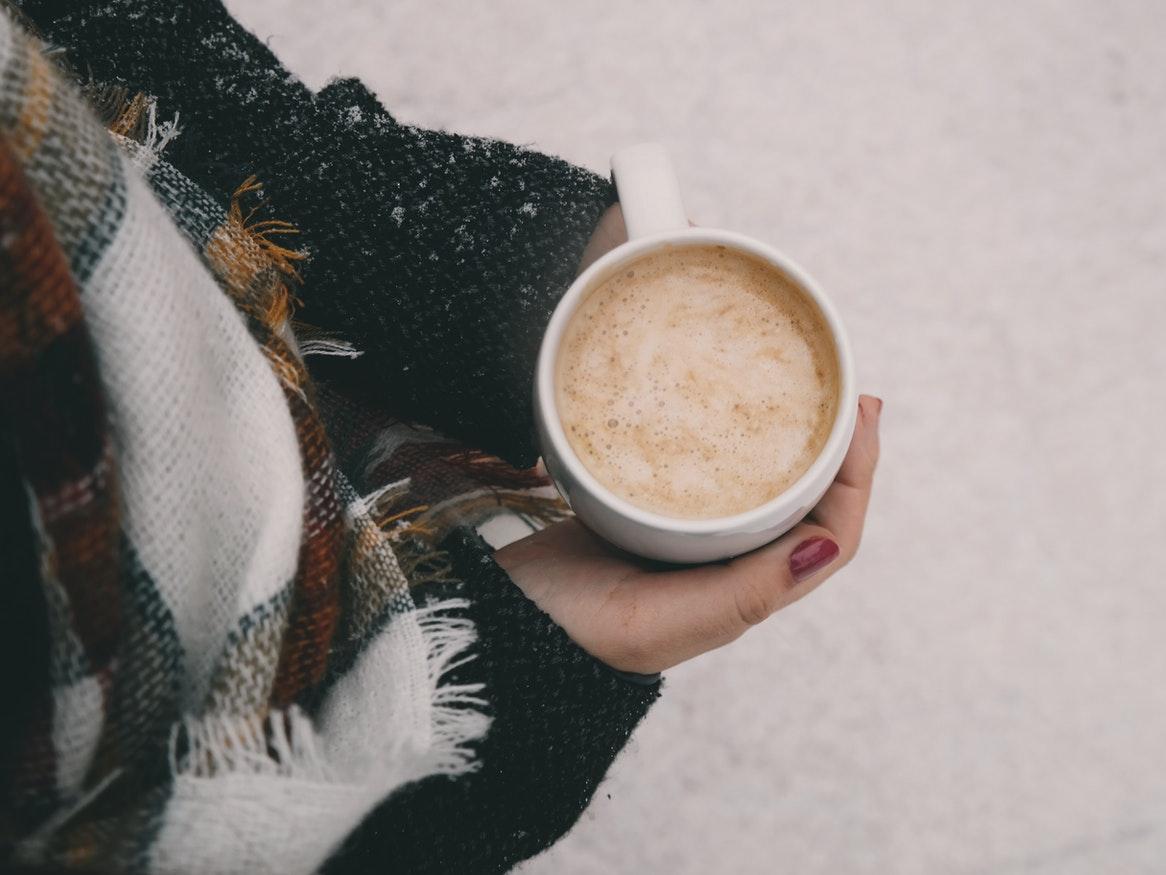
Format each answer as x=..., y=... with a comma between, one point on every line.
x=697, y=382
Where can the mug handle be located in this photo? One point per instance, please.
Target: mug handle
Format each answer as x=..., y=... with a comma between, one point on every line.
x=649, y=192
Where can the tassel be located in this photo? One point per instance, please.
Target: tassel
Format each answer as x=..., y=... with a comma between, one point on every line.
x=488, y=469
x=109, y=102
x=316, y=341
x=262, y=231
x=255, y=268
x=131, y=121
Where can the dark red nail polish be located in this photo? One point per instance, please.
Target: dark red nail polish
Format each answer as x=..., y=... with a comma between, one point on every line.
x=810, y=556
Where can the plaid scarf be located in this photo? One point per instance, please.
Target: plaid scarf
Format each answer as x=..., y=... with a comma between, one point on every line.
x=239, y=670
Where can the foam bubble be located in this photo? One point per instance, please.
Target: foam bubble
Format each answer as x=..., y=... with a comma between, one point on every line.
x=741, y=411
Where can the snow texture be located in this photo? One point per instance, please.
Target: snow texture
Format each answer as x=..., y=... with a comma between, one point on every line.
x=980, y=186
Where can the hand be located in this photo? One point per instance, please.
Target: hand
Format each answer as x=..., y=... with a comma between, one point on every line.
x=638, y=616
x=610, y=231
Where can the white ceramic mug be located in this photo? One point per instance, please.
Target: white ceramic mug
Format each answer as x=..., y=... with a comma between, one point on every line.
x=649, y=196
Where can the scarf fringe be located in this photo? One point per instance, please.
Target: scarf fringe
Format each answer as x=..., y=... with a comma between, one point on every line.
x=261, y=231
x=313, y=340
x=329, y=346
x=286, y=743
x=457, y=711
x=421, y=563
x=372, y=503
x=133, y=119
x=487, y=468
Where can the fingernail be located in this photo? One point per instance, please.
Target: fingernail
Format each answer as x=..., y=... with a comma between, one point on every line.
x=811, y=556
x=878, y=404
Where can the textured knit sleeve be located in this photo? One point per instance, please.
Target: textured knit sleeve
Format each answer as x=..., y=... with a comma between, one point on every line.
x=559, y=716
x=439, y=256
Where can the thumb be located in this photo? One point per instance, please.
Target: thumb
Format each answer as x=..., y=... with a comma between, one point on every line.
x=767, y=580
x=667, y=617
x=676, y=615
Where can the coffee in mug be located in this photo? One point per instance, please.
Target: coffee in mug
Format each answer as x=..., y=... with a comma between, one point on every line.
x=697, y=381
x=695, y=390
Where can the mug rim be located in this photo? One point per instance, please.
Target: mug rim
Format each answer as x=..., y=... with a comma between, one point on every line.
x=757, y=517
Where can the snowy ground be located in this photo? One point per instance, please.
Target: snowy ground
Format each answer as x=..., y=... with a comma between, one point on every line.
x=982, y=188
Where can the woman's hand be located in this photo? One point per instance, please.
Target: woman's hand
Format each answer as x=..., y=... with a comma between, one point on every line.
x=610, y=231
x=637, y=616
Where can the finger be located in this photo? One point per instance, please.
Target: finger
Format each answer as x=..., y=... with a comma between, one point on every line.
x=863, y=455
x=843, y=508
x=674, y=616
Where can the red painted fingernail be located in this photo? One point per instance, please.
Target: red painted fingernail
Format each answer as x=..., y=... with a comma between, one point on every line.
x=811, y=556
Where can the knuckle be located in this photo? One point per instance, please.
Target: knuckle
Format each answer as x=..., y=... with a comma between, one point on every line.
x=629, y=654
x=755, y=599
x=631, y=650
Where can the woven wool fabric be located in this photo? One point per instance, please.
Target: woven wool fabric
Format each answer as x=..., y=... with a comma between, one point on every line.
x=198, y=552
x=154, y=729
